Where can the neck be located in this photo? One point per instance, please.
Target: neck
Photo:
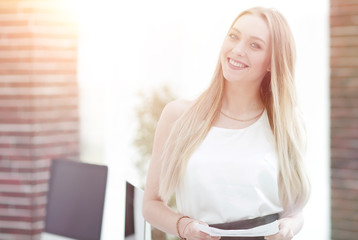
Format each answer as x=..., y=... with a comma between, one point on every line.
x=241, y=99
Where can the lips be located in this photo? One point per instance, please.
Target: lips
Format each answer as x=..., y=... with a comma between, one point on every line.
x=235, y=64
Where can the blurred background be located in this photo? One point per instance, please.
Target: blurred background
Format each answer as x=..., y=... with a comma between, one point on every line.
x=86, y=81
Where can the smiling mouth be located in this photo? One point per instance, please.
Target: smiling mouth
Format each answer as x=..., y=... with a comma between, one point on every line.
x=236, y=64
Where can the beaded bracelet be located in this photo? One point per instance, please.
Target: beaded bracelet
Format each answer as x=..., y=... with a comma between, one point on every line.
x=178, y=226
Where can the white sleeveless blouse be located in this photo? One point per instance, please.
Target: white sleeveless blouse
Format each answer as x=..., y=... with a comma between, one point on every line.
x=232, y=175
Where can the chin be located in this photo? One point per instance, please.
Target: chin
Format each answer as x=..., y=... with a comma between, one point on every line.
x=231, y=78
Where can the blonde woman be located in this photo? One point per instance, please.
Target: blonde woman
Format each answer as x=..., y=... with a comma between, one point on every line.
x=234, y=156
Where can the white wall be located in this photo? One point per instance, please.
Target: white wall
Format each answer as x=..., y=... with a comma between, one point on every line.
x=128, y=46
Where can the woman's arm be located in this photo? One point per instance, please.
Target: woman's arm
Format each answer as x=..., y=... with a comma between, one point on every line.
x=155, y=211
x=289, y=227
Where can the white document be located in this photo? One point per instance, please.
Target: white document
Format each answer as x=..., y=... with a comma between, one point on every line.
x=263, y=230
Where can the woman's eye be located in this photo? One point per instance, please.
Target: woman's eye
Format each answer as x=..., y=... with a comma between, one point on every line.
x=255, y=45
x=233, y=36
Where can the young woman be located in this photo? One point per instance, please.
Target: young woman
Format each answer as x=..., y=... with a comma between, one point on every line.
x=234, y=156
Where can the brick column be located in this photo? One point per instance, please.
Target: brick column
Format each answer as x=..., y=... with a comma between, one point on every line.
x=38, y=108
x=344, y=119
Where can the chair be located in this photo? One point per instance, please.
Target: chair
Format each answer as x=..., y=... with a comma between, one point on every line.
x=75, y=199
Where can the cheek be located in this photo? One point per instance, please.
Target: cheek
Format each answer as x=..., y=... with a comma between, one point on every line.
x=262, y=61
x=222, y=56
x=223, y=51
x=226, y=47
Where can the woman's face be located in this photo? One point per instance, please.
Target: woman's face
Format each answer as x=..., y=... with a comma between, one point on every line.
x=246, y=52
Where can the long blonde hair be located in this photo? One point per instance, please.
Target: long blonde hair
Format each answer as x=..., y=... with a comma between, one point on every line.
x=279, y=97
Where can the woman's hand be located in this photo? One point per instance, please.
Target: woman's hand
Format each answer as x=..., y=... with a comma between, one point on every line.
x=285, y=231
x=192, y=232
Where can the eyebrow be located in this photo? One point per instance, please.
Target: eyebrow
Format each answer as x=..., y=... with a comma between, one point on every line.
x=253, y=37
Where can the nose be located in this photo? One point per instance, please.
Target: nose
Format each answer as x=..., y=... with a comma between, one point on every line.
x=239, y=49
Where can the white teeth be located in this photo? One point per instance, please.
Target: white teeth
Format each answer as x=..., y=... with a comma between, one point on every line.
x=237, y=64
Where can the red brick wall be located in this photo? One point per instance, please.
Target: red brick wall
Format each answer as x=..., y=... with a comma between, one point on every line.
x=38, y=108
x=344, y=119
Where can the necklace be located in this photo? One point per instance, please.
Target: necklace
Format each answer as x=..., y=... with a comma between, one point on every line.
x=246, y=120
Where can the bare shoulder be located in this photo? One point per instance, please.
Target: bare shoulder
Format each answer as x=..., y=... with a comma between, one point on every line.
x=173, y=110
